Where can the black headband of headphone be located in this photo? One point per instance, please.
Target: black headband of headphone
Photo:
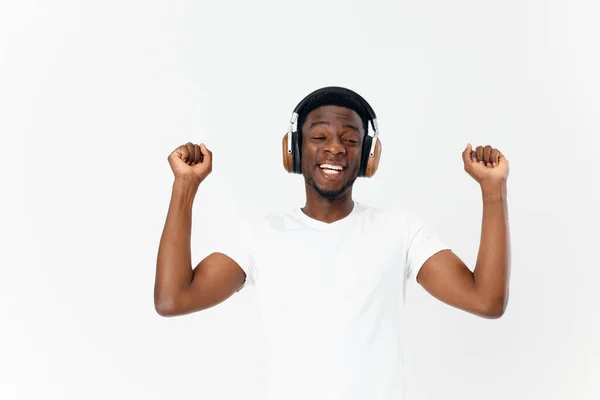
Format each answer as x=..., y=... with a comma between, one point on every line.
x=343, y=97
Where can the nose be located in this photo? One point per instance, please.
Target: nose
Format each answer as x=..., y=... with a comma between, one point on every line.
x=334, y=146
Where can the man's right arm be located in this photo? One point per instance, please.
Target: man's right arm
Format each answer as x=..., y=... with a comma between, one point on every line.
x=178, y=288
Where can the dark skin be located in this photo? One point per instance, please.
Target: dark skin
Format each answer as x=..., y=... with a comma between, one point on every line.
x=333, y=135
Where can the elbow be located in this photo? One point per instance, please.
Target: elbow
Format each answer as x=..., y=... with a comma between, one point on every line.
x=165, y=307
x=494, y=309
x=494, y=312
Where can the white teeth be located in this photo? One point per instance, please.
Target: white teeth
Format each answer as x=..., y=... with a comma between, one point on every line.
x=329, y=166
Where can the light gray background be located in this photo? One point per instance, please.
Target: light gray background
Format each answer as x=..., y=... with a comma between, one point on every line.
x=95, y=95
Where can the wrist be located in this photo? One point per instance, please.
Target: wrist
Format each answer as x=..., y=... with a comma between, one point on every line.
x=493, y=190
x=493, y=184
x=185, y=186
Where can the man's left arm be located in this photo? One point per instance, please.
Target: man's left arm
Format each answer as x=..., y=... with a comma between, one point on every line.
x=484, y=291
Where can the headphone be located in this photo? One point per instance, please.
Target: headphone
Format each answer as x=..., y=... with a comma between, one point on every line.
x=371, y=148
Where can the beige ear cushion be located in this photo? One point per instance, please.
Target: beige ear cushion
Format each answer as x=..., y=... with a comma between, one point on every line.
x=288, y=159
x=373, y=162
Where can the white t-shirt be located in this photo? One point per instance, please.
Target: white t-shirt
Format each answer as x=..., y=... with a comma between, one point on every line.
x=332, y=298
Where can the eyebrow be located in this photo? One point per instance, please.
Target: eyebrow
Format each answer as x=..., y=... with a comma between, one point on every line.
x=315, y=123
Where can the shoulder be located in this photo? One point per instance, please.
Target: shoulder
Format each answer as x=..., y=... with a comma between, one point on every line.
x=277, y=220
x=395, y=220
x=393, y=215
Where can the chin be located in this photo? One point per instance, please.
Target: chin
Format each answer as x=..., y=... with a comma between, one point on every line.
x=330, y=194
x=330, y=191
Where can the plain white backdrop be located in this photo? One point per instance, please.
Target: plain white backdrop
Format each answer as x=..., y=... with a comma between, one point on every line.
x=95, y=95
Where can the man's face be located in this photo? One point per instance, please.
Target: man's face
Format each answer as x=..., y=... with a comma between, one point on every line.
x=332, y=140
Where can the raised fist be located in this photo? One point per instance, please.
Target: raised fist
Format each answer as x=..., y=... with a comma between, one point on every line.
x=485, y=164
x=191, y=161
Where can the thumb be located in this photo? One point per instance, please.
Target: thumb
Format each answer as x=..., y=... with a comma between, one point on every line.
x=466, y=155
x=206, y=154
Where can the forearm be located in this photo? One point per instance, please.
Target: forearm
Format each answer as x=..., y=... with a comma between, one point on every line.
x=492, y=270
x=174, y=264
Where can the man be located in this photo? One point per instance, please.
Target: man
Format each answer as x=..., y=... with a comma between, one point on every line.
x=330, y=277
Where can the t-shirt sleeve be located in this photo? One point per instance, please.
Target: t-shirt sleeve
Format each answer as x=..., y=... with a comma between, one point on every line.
x=422, y=243
x=235, y=243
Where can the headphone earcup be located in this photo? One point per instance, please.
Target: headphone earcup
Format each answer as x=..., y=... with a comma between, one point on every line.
x=296, y=156
x=373, y=162
x=288, y=159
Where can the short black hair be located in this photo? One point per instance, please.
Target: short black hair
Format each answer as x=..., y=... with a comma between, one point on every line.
x=332, y=98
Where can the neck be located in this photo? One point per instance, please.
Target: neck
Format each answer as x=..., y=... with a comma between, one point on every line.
x=328, y=210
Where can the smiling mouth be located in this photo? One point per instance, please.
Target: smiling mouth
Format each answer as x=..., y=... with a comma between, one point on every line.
x=331, y=171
